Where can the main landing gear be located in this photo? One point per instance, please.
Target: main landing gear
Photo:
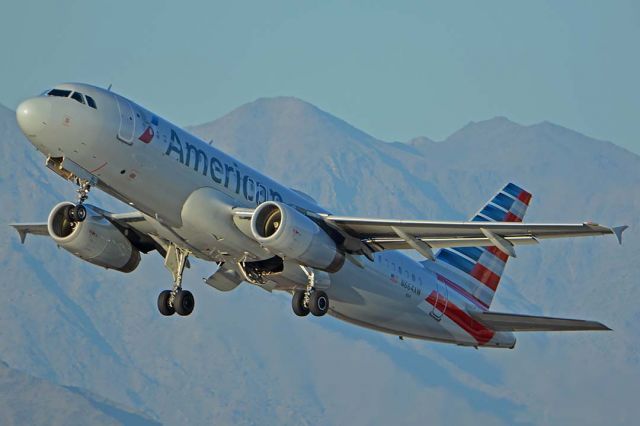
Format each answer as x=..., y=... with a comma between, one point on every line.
x=176, y=300
x=310, y=299
x=78, y=213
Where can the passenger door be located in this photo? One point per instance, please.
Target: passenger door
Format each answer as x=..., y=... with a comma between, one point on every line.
x=442, y=300
x=126, y=130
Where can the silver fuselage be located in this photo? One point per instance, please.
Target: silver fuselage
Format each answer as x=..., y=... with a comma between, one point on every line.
x=187, y=189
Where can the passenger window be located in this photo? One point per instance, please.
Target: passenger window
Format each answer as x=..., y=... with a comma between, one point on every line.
x=413, y=277
x=78, y=97
x=91, y=102
x=59, y=93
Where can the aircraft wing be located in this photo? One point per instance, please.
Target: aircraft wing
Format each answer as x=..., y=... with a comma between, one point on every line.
x=382, y=234
x=514, y=322
x=134, y=222
x=30, y=228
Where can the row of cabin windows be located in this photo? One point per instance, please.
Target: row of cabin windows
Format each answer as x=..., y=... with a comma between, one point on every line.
x=397, y=268
x=77, y=96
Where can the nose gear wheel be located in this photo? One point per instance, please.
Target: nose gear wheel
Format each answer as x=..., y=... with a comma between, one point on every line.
x=78, y=213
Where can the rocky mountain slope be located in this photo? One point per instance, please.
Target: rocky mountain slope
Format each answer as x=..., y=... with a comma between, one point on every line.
x=245, y=358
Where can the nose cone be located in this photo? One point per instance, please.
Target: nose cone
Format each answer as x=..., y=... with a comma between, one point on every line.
x=33, y=116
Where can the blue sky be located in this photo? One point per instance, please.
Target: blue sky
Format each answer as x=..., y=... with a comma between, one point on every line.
x=394, y=69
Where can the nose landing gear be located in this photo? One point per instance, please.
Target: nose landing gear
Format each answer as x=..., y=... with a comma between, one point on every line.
x=78, y=213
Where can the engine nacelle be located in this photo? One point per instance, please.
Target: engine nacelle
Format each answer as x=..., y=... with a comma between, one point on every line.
x=95, y=239
x=286, y=232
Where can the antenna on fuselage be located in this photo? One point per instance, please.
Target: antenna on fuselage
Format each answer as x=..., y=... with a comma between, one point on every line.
x=109, y=88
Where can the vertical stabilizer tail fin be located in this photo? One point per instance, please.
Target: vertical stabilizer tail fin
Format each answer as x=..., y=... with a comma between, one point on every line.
x=483, y=266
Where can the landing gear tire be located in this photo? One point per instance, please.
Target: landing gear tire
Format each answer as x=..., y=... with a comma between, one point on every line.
x=176, y=300
x=297, y=303
x=163, y=303
x=77, y=213
x=80, y=212
x=184, y=302
x=71, y=214
x=318, y=303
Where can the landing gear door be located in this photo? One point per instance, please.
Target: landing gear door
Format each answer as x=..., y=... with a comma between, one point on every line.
x=127, y=120
x=442, y=300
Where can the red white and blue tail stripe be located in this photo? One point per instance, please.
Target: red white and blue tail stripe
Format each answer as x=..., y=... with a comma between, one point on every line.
x=485, y=265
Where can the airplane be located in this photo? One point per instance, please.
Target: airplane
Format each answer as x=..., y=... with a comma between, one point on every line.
x=192, y=200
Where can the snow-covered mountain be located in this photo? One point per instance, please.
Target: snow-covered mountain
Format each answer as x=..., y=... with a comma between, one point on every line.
x=243, y=357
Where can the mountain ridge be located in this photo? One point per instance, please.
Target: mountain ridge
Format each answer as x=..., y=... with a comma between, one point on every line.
x=242, y=357
x=44, y=399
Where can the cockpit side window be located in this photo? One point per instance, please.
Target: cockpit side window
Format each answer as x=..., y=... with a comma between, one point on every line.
x=91, y=102
x=59, y=92
x=78, y=97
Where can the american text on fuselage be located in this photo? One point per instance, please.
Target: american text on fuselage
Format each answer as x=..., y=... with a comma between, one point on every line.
x=193, y=199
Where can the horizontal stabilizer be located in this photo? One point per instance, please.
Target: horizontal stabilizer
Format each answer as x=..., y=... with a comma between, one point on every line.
x=513, y=322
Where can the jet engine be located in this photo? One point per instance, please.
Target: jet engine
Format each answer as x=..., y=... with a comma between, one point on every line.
x=95, y=239
x=286, y=232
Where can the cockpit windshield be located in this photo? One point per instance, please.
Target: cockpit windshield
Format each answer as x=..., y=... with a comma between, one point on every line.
x=91, y=102
x=77, y=96
x=59, y=92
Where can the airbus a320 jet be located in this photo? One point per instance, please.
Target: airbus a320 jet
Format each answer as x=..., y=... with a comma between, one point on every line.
x=193, y=200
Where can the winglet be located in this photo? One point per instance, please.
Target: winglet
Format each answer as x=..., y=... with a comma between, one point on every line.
x=21, y=232
x=618, y=230
x=29, y=228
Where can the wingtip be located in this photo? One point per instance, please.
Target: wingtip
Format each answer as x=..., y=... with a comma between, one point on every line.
x=21, y=233
x=604, y=327
x=618, y=230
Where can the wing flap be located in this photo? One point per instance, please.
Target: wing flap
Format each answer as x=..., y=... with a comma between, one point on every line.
x=382, y=233
x=515, y=322
x=401, y=244
x=381, y=228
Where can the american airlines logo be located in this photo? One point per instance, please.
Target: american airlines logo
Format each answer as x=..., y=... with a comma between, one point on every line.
x=147, y=136
x=149, y=133
x=223, y=174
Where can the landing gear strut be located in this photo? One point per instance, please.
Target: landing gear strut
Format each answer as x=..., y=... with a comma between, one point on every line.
x=310, y=299
x=78, y=213
x=176, y=300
